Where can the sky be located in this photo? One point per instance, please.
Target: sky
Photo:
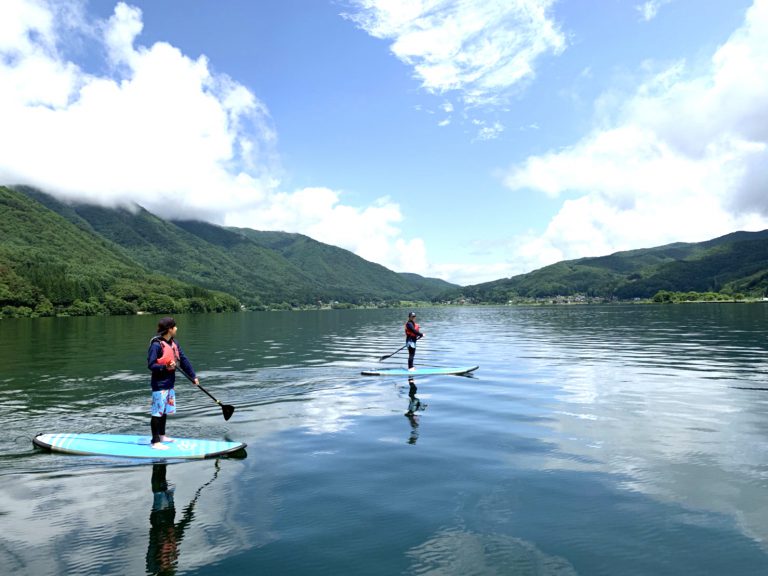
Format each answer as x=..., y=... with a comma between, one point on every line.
x=468, y=140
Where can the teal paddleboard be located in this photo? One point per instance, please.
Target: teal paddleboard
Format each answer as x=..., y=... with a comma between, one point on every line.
x=129, y=446
x=423, y=371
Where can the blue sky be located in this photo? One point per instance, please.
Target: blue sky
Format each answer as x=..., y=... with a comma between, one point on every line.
x=464, y=139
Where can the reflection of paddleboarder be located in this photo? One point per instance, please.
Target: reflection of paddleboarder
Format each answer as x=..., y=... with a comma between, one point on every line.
x=414, y=405
x=165, y=534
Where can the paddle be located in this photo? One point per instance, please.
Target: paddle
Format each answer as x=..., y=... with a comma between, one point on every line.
x=226, y=409
x=395, y=352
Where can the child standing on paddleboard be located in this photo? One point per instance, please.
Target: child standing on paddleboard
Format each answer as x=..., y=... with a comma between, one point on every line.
x=163, y=357
x=412, y=334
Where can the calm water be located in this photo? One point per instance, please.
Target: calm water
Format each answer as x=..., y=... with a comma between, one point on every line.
x=613, y=440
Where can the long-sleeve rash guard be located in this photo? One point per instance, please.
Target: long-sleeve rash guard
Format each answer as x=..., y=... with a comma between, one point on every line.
x=162, y=378
x=412, y=328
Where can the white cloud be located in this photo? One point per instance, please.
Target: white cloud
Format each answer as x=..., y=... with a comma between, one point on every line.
x=650, y=9
x=681, y=159
x=161, y=130
x=161, y=133
x=489, y=132
x=481, y=49
x=370, y=232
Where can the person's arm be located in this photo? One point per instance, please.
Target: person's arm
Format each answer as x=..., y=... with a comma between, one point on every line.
x=186, y=366
x=153, y=354
x=412, y=328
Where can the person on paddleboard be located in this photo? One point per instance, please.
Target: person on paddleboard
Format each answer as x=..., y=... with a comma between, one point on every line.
x=412, y=333
x=163, y=357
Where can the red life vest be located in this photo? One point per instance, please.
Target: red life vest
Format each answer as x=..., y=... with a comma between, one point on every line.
x=409, y=333
x=170, y=352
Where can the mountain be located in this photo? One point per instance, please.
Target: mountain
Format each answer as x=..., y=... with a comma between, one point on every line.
x=734, y=263
x=73, y=258
x=435, y=287
x=168, y=248
x=260, y=269
x=50, y=264
x=338, y=268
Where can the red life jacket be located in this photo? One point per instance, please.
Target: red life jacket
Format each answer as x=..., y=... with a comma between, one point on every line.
x=170, y=352
x=409, y=333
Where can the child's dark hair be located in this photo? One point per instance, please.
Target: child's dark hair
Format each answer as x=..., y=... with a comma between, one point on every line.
x=165, y=324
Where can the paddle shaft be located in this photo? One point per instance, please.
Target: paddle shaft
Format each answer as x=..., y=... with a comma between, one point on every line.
x=210, y=395
x=396, y=351
x=226, y=409
x=178, y=365
x=198, y=384
x=393, y=353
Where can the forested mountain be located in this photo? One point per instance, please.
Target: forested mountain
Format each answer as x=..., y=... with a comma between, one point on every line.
x=65, y=258
x=735, y=263
x=50, y=265
x=337, y=268
x=94, y=251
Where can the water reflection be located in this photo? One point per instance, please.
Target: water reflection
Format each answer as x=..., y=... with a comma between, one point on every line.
x=616, y=440
x=165, y=534
x=414, y=405
x=463, y=552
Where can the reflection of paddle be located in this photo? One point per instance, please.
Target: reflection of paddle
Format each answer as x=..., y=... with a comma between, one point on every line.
x=165, y=535
x=226, y=409
x=191, y=505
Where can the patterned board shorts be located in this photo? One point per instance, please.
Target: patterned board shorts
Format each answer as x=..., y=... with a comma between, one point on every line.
x=163, y=402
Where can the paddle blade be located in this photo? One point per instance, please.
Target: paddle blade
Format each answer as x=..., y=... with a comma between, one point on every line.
x=227, y=411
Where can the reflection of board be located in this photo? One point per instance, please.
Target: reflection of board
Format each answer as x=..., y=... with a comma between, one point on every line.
x=424, y=371
x=129, y=446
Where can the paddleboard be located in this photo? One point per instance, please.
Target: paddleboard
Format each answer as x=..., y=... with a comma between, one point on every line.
x=423, y=371
x=129, y=446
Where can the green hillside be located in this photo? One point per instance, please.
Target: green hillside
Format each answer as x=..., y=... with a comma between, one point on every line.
x=59, y=258
x=49, y=265
x=735, y=263
x=338, y=268
x=260, y=269
x=162, y=246
x=433, y=287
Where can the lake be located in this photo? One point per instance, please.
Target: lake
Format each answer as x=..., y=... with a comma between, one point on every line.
x=616, y=440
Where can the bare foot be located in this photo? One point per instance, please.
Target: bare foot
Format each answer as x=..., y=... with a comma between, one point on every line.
x=159, y=446
x=166, y=439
